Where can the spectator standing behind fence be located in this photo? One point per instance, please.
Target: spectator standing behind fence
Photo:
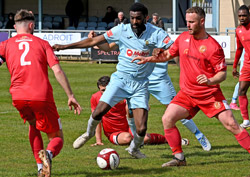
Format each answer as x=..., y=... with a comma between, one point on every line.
x=110, y=15
x=11, y=22
x=74, y=10
x=156, y=20
x=120, y=19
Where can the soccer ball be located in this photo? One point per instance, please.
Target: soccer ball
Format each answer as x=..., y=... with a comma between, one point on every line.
x=108, y=159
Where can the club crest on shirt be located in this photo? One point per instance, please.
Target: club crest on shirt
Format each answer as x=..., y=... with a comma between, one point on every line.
x=217, y=105
x=242, y=38
x=185, y=51
x=202, y=49
x=146, y=42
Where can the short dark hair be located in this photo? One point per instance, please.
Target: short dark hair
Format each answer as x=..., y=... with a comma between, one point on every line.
x=103, y=81
x=198, y=10
x=139, y=7
x=244, y=7
x=24, y=15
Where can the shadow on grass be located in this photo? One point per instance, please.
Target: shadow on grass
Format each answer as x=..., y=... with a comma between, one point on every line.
x=118, y=172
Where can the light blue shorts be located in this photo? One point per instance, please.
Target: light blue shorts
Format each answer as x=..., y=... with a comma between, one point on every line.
x=162, y=90
x=123, y=86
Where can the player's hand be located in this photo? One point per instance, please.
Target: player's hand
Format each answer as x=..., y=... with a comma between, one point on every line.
x=235, y=73
x=157, y=51
x=58, y=47
x=92, y=34
x=202, y=79
x=142, y=60
x=97, y=144
x=72, y=102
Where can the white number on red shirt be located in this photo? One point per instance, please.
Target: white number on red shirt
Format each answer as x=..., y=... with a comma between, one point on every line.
x=26, y=47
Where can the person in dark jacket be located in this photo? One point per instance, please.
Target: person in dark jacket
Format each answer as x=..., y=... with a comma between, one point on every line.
x=120, y=19
x=74, y=10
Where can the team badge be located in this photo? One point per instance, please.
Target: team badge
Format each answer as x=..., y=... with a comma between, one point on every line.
x=242, y=38
x=185, y=51
x=146, y=42
x=217, y=105
x=202, y=49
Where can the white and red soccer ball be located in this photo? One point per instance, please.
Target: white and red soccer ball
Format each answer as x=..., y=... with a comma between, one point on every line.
x=108, y=159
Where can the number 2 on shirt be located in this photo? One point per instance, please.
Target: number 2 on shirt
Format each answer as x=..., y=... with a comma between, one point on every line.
x=26, y=47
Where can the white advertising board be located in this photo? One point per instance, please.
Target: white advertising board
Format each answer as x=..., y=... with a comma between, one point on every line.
x=224, y=41
x=60, y=38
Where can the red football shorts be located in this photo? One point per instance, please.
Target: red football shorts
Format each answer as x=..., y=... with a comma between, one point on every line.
x=45, y=113
x=113, y=137
x=211, y=105
x=244, y=74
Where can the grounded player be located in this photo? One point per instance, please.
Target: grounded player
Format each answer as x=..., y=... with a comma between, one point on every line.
x=161, y=87
x=202, y=68
x=242, y=39
x=31, y=90
x=130, y=81
x=114, y=122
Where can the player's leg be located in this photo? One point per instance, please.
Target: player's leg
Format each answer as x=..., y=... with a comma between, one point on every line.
x=35, y=138
x=243, y=101
x=140, y=117
x=124, y=138
x=131, y=121
x=172, y=114
x=113, y=94
x=242, y=136
x=101, y=109
x=198, y=134
x=233, y=104
x=36, y=143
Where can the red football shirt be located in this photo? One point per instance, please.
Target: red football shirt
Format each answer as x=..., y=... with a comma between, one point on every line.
x=27, y=59
x=198, y=57
x=243, y=40
x=115, y=120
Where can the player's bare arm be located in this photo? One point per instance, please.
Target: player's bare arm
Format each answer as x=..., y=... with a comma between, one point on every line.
x=238, y=54
x=105, y=46
x=218, y=78
x=159, y=55
x=63, y=81
x=89, y=42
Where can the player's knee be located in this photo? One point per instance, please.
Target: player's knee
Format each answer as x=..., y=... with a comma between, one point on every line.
x=127, y=139
x=141, y=131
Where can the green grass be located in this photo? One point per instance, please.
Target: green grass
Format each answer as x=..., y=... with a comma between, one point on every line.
x=226, y=158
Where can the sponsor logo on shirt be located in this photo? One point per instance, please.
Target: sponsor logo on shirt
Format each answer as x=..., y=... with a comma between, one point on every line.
x=135, y=53
x=166, y=40
x=221, y=66
x=109, y=33
x=202, y=48
x=23, y=38
x=217, y=105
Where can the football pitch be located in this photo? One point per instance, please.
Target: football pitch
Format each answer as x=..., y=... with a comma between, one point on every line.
x=226, y=158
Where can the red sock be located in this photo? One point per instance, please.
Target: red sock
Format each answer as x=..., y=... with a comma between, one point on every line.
x=244, y=107
x=55, y=146
x=157, y=138
x=243, y=139
x=36, y=142
x=173, y=138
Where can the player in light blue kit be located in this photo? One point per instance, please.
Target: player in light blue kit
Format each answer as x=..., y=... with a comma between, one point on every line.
x=161, y=87
x=130, y=81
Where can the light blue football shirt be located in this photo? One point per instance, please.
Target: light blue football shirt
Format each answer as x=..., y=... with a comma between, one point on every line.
x=159, y=73
x=132, y=46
